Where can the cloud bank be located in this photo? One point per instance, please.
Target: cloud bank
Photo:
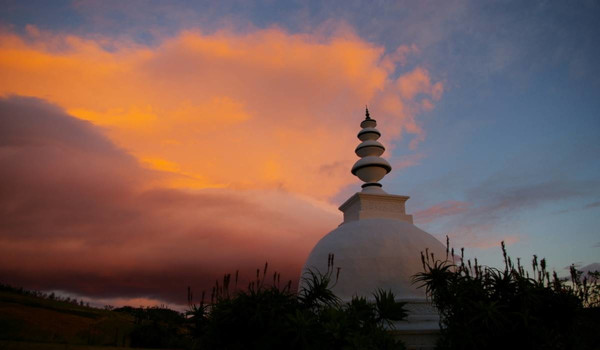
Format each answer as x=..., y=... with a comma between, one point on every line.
x=77, y=215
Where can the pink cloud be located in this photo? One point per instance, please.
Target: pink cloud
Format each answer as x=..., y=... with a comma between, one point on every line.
x=442, y=209
x=408, y=161
x=72, y=217
x=482, y=236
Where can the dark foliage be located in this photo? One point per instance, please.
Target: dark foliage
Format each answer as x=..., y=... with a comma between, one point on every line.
x=270, y=317
x=157, y=327
x=487, y=308
x=42, y=295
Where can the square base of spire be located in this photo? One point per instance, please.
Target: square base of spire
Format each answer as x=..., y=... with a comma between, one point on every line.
x=369, y=206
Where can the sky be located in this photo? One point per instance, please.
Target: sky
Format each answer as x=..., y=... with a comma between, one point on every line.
x=147, y=146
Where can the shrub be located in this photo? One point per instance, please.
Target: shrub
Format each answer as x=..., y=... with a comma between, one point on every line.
x=156, y=327
x=483, y=307
x=269, y=317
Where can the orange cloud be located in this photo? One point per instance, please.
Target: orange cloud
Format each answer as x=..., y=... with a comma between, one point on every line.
x=73, y=217
x=259, y=110
x=408, y=161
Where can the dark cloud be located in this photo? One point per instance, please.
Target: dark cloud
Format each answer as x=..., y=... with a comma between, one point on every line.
x=592, y=205
x=587, y=206
x=81, y=215
x=485, y=217
x=591, y=267
x=499, y=199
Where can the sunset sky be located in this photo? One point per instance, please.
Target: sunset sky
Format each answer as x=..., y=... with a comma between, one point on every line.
x=150, y=145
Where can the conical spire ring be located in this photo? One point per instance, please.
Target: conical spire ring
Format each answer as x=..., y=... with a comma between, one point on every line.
x=371, y=168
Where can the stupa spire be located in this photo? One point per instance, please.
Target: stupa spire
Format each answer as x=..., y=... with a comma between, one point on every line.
x=370, y=168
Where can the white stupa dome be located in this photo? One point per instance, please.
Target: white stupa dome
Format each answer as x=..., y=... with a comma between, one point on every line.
x=375, y=253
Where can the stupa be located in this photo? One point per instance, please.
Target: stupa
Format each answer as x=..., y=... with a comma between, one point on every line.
x=378, y=246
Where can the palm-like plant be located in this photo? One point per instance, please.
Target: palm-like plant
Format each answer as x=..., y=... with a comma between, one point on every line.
x=268, y=317
x=316, y=290
x=387, y=309
x=484, y=307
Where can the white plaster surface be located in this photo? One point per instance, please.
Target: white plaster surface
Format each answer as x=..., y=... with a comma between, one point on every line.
x=373, y=202
x=375, y=253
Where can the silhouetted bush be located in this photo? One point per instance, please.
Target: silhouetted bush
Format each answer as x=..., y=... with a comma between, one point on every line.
x=42, y=295
x=483, y=307
x=269, y=317
x=157, y=327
